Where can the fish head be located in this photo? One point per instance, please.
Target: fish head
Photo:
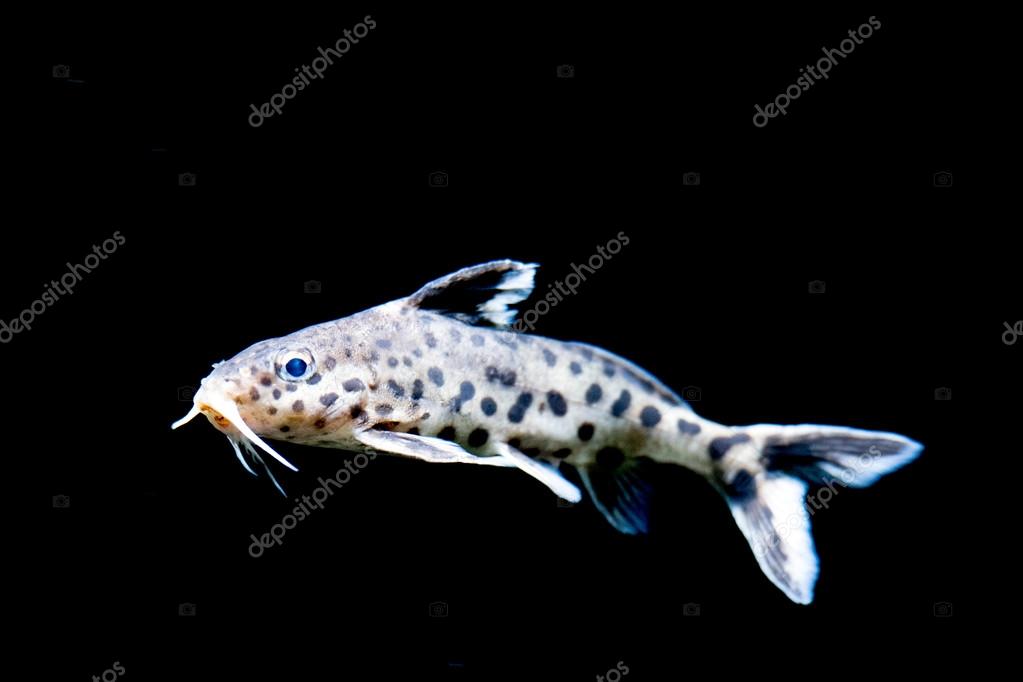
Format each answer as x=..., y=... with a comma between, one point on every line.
x=279, y=389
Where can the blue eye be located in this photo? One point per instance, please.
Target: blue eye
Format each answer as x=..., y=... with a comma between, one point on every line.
x=296, y=367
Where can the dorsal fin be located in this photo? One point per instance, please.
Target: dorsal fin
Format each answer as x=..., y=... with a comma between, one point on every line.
x=482, y=294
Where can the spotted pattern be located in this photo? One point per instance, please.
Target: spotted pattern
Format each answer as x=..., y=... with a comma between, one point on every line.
x=447, y=433
x=406, y=360
x=562, y=453
x=266, y=381
x=431, y=340
x=593, y=394
x=478, y=437
x=649, y=416
x=688, y=428
x=329, y=363
x=557, y=402
x=384, y=409
x=743, y=486
x=396, y=389
x=253, y=394
x=585, y=431
x=719, y=447
x=328, y=399
x=392, y=361
x=314, y=379
x=477, y=340
x=417, y=389
x=436, y=375
x=353, y=385
x=505, y=377
x=575, y=367
x=465, y=393
x=277, y=394
x=619, y=406
x=550, y=358
x=383, y=343
x=488, y=406
x=518, y=410
x=297, y=406
x=271, y=410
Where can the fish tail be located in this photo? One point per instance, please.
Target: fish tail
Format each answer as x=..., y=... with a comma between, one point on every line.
x=764, y=472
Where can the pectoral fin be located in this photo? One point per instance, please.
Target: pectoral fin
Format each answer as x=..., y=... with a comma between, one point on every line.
x=424, y=447
x=541, y=471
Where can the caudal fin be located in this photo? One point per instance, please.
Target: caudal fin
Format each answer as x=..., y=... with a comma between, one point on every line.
x=766, y=479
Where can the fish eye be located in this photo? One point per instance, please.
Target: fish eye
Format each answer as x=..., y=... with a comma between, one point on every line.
x=294, y=365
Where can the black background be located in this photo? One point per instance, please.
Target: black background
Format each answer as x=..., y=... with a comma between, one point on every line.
x=711, y=291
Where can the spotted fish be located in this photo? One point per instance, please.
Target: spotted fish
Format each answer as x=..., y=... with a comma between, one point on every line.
x=442, y=376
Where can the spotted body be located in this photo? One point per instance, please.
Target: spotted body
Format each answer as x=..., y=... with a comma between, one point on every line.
x=441, y=376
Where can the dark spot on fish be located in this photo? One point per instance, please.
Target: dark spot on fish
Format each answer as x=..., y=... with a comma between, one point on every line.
x=562, y=453
x=392, y=361
x=610, y=458
x=329, y=363
x=290, y=387
x=719, y=446
x=285, y=428
x=253, y=394
x=669, y=398
x=609, y=370
x=374, y=356
x=531, y=452
x=688, y=428
x=515, y=443
x=586, y=431
x=431, y=340
x=277, y=394
x=320, y=423
x=456, y=335
x=478, y=437
x=466, y=390
x=447, y=433
x=271, y=410
x=436, y=376
x=742, y=486
x=297, y=406
x=414, y=431
x=418, y=353
x=314, y=379
x=406, y=360
x=557, y=402
x=649, y=416
x=348, y=352
x=356, y=411
x=586, y=353
x=254, y=370
x=575, y=367
x=417, y=389
x=619, y=406
x=505, y=341
x=395, y=388
x=328, y=399
x=550, y=358
x=593, y=394
x=266, y=381
x=476, y=339
x=353, y=385
x=383, y=343
x=384, y=409
x=488, y=406
x=518, y=410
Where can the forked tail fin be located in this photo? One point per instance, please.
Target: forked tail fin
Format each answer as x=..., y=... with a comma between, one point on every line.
x=766, y=488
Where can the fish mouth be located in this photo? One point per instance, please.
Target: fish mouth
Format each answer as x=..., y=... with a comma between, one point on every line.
x=223, y=414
